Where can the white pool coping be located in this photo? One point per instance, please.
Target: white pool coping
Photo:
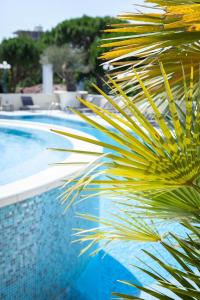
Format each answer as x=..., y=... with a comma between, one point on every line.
x=50, y=177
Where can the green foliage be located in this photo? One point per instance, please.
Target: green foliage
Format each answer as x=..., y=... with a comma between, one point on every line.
x=80, y=32
x=23, y=55
x=68, y=63
x=83, y=33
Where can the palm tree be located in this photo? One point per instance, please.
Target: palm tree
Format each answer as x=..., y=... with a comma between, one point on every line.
x=168, y=32
x=153, y=173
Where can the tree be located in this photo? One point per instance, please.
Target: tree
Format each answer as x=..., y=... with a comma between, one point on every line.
x=86, y=33
x=23, y=54
x=80, y=32
x=68, y=63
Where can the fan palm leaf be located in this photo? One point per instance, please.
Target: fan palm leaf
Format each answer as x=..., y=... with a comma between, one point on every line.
x=181, y=281
x=170, y=33
x=142, y=159
x=152, y=171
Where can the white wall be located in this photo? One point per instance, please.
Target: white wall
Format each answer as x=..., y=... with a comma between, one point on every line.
x=43, y=100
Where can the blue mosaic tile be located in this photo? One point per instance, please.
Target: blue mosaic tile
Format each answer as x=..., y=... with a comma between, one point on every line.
x=37, y=259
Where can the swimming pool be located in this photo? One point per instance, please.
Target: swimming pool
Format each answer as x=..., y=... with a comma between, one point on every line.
x=90, y=284
x=37, y=257
x=24, y=152
x=66, y=120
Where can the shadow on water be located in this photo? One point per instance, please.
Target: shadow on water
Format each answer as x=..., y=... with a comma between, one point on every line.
x=100, y=279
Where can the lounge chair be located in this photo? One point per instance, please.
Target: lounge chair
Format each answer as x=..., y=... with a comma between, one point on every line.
x=28, y=104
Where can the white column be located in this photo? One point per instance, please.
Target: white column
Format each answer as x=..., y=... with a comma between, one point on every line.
x=47, y=78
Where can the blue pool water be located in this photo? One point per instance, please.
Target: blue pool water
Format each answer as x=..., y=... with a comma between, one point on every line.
x=24, y=152
x=59, y=121
x=100, y=277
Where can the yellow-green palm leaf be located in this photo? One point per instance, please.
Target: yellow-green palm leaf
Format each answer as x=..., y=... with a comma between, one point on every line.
x=170, y=33
x=143, y=160
x=182, y=280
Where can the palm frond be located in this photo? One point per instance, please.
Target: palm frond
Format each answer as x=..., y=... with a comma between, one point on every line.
x=170, y=33
x=153, y=172
x=121, y=226
x=143, y=160
x=181, y=281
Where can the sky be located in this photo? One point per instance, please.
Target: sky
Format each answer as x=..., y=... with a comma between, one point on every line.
x=26, y=14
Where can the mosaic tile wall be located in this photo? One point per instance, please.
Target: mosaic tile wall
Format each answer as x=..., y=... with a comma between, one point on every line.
x=37, y=259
